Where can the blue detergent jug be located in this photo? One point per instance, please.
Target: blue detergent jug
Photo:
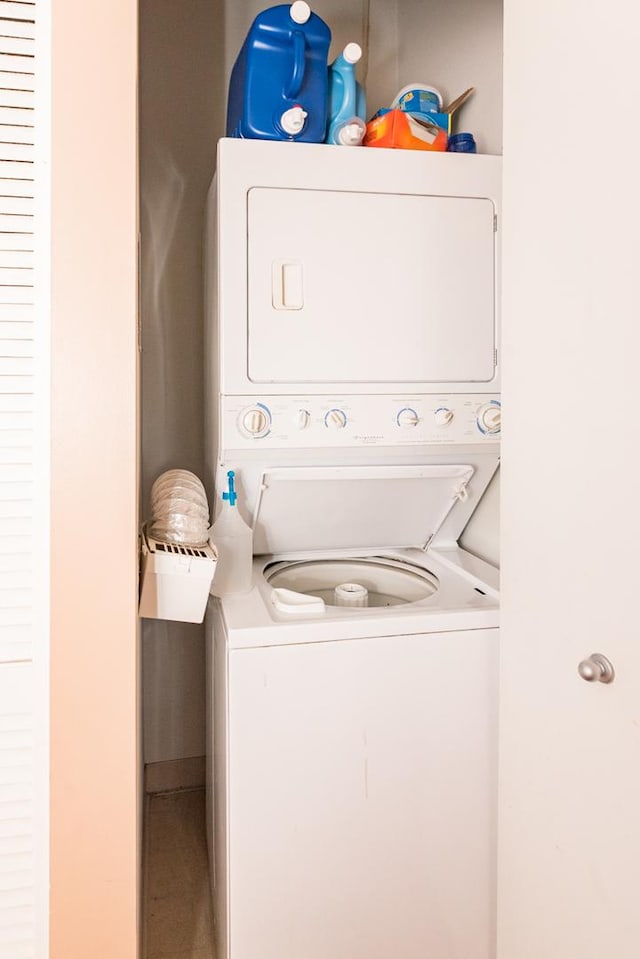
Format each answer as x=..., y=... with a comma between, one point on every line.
x=347, y=106
x=279, y=84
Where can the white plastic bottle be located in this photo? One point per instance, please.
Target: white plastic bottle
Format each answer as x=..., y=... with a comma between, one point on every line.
x=233, y=540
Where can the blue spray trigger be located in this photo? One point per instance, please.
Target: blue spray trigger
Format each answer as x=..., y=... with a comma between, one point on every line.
x=231, y=496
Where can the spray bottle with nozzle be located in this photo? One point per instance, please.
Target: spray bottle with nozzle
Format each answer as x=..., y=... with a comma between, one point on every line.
x=234, y=541
x=347, y=107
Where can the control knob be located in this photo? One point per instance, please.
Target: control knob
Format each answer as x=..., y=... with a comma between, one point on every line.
x=490, y=418
x=302, y=419
x=443, y=416
x=407, y=418
x=256, y=421
x=335, y=419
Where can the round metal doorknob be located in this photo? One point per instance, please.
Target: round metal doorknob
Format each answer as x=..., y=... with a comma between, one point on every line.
x=596, y=669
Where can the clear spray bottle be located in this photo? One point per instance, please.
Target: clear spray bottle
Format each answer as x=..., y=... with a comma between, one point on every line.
x=233, y=540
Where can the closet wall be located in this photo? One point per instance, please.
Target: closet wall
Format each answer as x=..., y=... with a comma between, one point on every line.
x=187, y=51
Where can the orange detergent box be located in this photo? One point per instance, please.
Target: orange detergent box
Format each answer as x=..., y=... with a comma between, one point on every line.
x=408, y=131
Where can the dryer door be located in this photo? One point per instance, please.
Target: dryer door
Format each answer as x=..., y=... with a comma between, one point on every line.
x=365, y=288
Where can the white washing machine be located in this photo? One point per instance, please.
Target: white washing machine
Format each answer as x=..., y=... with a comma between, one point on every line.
x=353, y=330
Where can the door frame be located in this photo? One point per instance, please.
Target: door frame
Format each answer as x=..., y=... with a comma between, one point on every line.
x=95, y=779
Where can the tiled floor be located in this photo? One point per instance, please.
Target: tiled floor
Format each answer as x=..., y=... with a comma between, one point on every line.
x=177, y=909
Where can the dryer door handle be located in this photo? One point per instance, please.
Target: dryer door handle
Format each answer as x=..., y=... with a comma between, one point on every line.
x=287, y=292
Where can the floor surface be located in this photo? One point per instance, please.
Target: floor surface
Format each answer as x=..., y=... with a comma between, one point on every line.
x=177, y=908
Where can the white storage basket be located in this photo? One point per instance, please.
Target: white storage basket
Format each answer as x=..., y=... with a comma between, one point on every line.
x=176, y=579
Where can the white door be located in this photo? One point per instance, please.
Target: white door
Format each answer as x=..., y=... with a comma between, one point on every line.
x=569, y=872
x=428, y=317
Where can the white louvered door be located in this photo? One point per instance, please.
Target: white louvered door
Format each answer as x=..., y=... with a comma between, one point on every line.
x=24, y=448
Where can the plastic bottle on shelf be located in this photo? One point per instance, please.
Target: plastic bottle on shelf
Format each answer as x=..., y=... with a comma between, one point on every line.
x=278, y=85
x=462, y=143
x=233, y=540
x=347, y=106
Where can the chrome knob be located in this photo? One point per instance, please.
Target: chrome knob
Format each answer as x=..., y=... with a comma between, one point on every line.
x=596, y=669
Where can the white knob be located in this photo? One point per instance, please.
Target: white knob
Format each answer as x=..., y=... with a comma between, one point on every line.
x=292, y=121
x=300, y=11
x=490, y=418
x=302, y=419
x=255, y=421
x=351, y=134
x=407, y=418
x=443, y=416
x=352, y=52
x=335, y=419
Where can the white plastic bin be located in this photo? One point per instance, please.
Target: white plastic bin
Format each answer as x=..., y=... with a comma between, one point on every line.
x=176, y=580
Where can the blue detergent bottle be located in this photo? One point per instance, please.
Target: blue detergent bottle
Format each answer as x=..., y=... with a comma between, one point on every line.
x=347, y=106
x=279, y=85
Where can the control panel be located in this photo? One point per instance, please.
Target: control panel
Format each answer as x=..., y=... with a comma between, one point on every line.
x=294, y=422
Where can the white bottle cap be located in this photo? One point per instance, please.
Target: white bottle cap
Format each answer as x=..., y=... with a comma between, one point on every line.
x=352, y=133
x=292, y=121
x=352, y=52
x=300, y=11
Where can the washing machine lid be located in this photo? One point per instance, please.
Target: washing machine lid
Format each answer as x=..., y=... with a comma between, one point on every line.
x=353, y=507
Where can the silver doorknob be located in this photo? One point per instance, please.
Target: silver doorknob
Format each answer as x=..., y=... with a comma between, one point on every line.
x=596, y=669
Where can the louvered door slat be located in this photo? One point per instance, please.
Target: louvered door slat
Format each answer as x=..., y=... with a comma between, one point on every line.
x=16, y=115
x=17, y=28
x=17, y=82
x=22, y=189
x=20, y=489
x=13, y=132
x=16, y=295
x=10, y=402
x=18, y=66
x=21, y=276
x=16, y=259
x=16, y=455
x=17, y=100
x=14, y=384
x=18, y=10
x=15, y=330
x=18, y=151
x=16, y=223
x=15, y=420
x=17, y=46
x=15, y=579
x=21, y=174
x=16, y=339
x=14, y=242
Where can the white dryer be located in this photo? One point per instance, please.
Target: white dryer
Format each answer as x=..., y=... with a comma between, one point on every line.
x=353, y=334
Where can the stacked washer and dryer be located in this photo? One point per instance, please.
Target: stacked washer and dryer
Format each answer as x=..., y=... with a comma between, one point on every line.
x=352, y=319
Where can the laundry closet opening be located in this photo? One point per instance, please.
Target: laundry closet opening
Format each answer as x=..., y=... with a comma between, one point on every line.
x=187, y=52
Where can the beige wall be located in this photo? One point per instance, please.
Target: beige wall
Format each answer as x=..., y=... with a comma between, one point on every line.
x=455, y=44
x=181, y=116
x=187, y=51
x=94, y=776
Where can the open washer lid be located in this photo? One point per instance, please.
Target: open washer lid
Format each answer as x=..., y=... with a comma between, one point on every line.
x=354, y=507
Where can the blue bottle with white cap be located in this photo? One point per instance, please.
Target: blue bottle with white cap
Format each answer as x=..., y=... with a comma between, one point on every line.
x=279, y=84
x=233, y=540
x=347, y=106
